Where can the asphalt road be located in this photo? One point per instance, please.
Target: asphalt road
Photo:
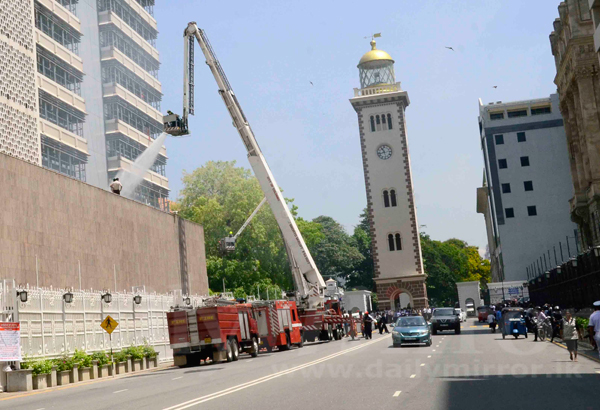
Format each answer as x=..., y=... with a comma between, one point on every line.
x=476, y=369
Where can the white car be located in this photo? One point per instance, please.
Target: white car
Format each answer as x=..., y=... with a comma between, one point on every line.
x=461, y=314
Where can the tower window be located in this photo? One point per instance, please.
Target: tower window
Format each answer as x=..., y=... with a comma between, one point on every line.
x=389, y=121
x=378, y=121
x=510, y=212
x=499, y=139
x=398, y=242
x=531, y=210
x=383, y=119
x=528, y=185
x=391, y=242
x=521, y=137
x=386, y=199
x=524, y=161
x=372, y=124
x=506, y=188
x=393, y=197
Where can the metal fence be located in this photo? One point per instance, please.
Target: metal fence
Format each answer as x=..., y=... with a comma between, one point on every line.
x=51, y=327
x=573, y=284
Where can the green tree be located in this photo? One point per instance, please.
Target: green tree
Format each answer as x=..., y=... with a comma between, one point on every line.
x=362, y=273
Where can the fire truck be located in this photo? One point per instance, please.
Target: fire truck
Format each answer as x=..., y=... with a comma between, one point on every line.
x=319, y=321
x=279, y=324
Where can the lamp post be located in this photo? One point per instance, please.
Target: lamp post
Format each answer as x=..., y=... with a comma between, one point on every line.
x=137, y=299
x=68, y=297
x=22, y=295
x=107, y=297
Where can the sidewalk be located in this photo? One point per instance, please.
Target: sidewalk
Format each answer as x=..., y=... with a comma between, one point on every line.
x=584, y=348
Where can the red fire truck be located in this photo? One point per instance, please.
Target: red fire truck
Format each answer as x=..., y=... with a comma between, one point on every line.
x=216, y=332
x=278, y=324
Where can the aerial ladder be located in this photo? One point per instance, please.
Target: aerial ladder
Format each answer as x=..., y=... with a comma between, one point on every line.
x=227, y=244
x=318, y=317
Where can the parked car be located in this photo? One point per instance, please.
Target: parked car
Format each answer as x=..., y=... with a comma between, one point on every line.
x=461, y=314
x=445, y=319
x=411, y=330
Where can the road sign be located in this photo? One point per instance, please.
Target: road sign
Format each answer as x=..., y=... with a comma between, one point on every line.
x=109, y=324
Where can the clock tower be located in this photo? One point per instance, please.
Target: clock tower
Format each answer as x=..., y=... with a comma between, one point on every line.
x=380, y=104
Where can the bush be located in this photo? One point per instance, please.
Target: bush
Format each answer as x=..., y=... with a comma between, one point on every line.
x=121, y=356
x=136, y=352
x=101, y=357
x=582, y=325
x=64, y=363
x=149, y=351
x=82, y=358
x=42, y=367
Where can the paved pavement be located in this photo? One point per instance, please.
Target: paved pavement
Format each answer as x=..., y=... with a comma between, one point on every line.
x=473, y=370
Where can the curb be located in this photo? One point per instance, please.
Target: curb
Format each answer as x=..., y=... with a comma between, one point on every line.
x=579, y=353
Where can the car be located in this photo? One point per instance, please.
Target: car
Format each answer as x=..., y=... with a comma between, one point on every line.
x=461, y=314
x=411, y=330
x=445, y=319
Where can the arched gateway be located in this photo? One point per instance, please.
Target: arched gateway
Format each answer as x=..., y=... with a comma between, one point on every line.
x=380, y=104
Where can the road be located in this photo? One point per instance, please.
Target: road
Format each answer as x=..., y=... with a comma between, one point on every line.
x=475, y=369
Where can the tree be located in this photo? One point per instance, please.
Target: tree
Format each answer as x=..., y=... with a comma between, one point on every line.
x=362, y=273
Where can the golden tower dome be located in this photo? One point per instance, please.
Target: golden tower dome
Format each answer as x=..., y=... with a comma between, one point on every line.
x=375, y=56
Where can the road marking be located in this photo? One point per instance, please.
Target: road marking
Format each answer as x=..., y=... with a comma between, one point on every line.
x=422, y=364
x=597, y=371
x=412, y=376
x=177, y=378
x=397, y=393
x=42, y=408
x=248, y=361
x=243, y=386
x=429, y=357
x=120, y=391
x=433, y=350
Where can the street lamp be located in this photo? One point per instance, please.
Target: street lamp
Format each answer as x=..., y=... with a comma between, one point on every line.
x=22, y=295
x=107, y=297
x=137, y=299
x=187, y=301
x=573, y=262
x=547, y=274
x=68, y=297
x=558, y=269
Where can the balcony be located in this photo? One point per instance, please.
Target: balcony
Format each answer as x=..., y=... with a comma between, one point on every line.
x=116, y=126
x=112, y=53
x=114, y=89
x=116, y=164
x=108, y=17
x=142, y=12
x=60, y=92
x=58, y=50
x=379, y=89
x=62, y=13
x=63, y=136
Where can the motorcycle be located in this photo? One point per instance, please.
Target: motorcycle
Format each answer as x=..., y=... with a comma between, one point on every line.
x=544, y=330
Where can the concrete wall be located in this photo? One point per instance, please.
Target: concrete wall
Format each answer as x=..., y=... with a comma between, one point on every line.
x=64, y=221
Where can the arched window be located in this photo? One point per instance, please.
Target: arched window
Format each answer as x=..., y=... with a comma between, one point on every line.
x=383, y=119
x=378, y=121
x=393, y=197
x=391, y=241
x=398, y=242
x=390, y=121
x=377, y=117
x=372, y=124
x=386, y=199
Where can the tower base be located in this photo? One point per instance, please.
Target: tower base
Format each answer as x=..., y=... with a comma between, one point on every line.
x=390, y=293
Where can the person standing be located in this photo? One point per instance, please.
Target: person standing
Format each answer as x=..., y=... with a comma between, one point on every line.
x=116, y=186
x=368, y=324
x=382, y=325
x=594, y=326
x=557, y=320
x=569, y=334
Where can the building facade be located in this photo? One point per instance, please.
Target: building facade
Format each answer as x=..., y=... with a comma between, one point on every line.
x=576, y=61
x=80, y=93
x=528, y=187
x=380, y=104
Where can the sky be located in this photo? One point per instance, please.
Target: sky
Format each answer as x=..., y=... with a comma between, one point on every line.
x=272, y=50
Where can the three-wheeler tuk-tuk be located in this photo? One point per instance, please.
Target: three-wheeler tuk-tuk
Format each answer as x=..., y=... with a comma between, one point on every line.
x=513, y=322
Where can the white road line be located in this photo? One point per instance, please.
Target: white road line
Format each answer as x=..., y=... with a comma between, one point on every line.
x=412, y=376
x=202, y=399
x=120, y=391
x=422, y=364
x=397, y=393
x=41, y=408
x=429, y=357
x=248, y=361
x=177, y=378
x=433, y=350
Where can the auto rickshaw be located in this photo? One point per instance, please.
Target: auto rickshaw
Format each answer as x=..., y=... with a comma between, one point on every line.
x=513, y=322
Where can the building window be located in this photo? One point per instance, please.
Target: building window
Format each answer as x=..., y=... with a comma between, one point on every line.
x=398, y=242
x=114, y=38
x=521, y=137
x=499, y=139
x=61, y=114
x=391, y=242
x=54, y=27
x=372, y=124
x=524, y=161
x=531, y=210
x=131, y=18
x=506, y=188
x=393, y=197
x=528, y=185
x=115, y=73
x=502, y=164
x=517, y=113
x=496, y=116
x=510, y=212
x=389, y=121
x=386, y=199
x=383, y=120
x=541, y=110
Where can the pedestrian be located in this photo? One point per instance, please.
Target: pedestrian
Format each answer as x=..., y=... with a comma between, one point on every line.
x=116, y=186
x=594, y=326
x=382, y=325
x=491, y=319
x=569, y=334
x=541, y=318
x=368, y=324
x=499, y=317
x=556, y=323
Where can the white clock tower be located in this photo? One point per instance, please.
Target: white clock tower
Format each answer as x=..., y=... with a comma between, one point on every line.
x=380, y=104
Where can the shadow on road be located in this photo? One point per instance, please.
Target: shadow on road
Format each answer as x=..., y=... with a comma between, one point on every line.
x=202, y=369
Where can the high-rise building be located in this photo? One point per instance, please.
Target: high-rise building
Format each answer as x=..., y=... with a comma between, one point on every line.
x=80, y=93
x=380, y=104
x=576, y=59
x=527, y=187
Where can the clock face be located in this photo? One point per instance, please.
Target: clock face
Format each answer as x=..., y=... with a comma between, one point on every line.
x=384, y=152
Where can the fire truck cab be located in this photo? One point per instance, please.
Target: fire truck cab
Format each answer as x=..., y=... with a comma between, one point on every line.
x=278, y=324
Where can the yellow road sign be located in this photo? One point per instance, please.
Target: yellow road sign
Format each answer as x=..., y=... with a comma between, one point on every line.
x=109, y=324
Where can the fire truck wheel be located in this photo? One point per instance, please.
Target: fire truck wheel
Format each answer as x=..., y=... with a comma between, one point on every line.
x=301, y=344
x=254, y=351
x=329, y=334
x=229, y=351
x=235, y=350
x=287, y=345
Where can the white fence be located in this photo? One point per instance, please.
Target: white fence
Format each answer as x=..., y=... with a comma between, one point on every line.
x=51, y=327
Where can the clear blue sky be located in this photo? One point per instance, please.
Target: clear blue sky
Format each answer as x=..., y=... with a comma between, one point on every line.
x=271, y=50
